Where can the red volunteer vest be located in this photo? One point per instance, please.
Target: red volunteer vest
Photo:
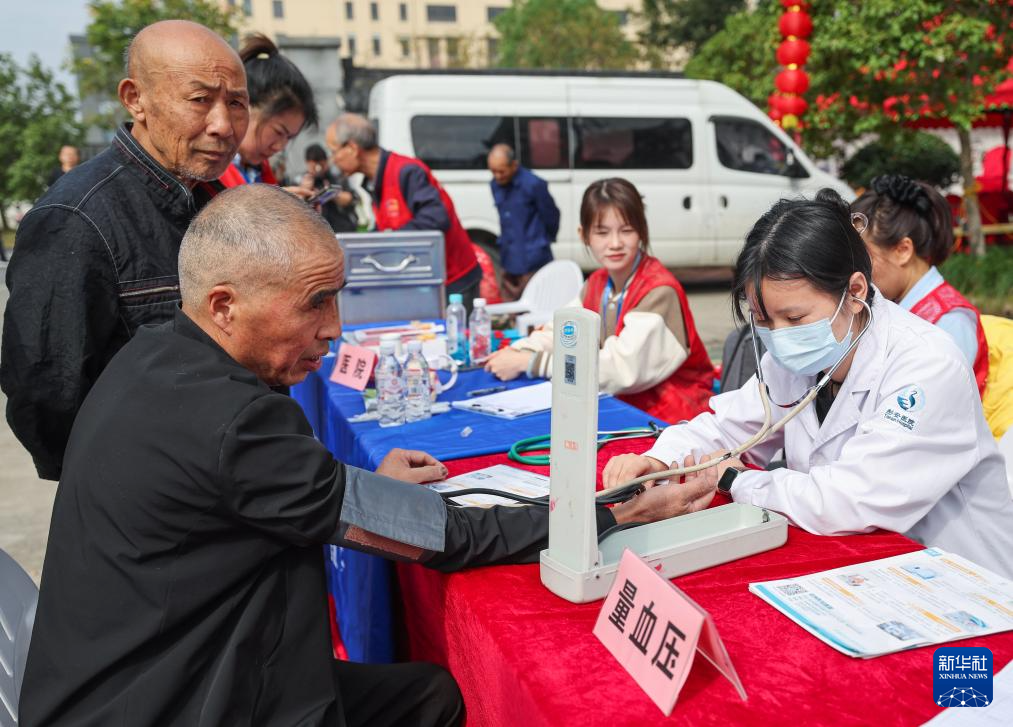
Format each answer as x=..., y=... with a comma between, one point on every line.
x=392, y=212
x=687, y=391
x=940, y=302
x=233, y=177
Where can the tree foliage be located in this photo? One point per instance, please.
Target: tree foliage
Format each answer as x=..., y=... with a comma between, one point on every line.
x=115, y=22
x=672, y=24
x=917, y=154
x=875, y=66
x=563, y=34
x=36, y=119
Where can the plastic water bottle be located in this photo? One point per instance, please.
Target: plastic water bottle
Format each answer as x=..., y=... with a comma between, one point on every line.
x=457, y=324
x=479, y=332
x=389, y=387
x=418, y=401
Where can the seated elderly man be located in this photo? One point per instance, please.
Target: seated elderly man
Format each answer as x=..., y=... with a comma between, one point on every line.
x=183, y=581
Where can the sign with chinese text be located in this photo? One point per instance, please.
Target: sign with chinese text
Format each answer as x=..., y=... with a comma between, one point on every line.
x=654, y=630
x=353, y=366
x=962, y=676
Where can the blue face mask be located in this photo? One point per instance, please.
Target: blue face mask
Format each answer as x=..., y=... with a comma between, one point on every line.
x=808, y=349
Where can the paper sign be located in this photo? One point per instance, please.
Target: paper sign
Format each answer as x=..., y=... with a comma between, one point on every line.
x=353, y=366
x=654, y=630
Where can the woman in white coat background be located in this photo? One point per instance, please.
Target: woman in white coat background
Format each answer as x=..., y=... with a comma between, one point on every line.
x=895, y=440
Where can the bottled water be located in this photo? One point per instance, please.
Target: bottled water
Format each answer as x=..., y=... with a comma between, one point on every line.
x=389, y=387
x=457, y=324
x=418, y=403
x=479, y=332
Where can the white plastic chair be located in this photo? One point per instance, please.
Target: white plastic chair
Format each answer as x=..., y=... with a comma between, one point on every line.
x=18, y=598
x=550, y=288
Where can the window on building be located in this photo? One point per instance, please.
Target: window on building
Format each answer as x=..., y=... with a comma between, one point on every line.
x=433, y=47
x=349, y=10
x=351, y=45
x=492, y=12
x=453, y=51
x=278, y=7
x=622, y=16
x=459, y=142
x=543, y=143
x=747, y=146
x=402, y=11
x=441, y=13
x=492, y=50
x=247, y=8
x=374, y=11
x=406, y=47
x=613, y=143
x=376, y=46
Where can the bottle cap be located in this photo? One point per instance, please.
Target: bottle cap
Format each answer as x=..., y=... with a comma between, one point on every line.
x=478, y=303
x=456, y=298
x=387, y=348
x=414, y=346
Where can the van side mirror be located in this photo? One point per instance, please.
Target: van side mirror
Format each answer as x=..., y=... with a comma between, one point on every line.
x=793, y=167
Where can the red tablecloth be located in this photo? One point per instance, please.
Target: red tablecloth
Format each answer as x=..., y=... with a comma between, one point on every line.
x=524, y=656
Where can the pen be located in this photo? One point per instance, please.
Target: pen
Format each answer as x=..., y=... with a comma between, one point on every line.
x=489, y=390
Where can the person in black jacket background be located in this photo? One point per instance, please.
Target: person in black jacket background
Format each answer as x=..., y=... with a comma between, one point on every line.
x=96, y=257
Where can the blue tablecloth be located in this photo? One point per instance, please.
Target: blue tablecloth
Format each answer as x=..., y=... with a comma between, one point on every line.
x=360, y=583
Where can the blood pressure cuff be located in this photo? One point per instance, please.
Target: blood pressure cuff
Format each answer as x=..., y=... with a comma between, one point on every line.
x=389, y=517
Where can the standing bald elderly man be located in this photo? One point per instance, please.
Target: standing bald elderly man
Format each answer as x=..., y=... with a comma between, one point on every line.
x=184, y=578
x=96, y=257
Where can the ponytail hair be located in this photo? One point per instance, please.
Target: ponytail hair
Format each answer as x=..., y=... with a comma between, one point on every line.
x=899, y=207
x=800, y=239
x=274, y=83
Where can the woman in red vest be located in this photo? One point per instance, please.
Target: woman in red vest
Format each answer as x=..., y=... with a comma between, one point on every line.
x=909, y=233
x=281, y=105
x=651, y=355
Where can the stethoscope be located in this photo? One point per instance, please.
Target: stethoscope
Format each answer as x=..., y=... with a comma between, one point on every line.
x=519, y=449
x=630, y=489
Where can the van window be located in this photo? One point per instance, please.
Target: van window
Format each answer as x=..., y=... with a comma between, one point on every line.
x=459, y=142
x=747, y=146
x=544, y=143
x=613, y=143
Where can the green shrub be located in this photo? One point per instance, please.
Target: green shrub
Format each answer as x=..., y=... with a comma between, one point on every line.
x=916, y=154
x=987, y=282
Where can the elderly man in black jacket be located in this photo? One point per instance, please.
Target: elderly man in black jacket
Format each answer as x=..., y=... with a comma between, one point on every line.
x=183, y=582
x=96, y=257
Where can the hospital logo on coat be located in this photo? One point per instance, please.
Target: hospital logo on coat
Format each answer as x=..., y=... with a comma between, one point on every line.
x=911, y=399
x=962, y=676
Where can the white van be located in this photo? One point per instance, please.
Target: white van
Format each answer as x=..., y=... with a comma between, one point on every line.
x=707, y=161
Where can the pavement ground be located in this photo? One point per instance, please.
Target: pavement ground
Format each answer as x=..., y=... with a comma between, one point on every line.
x=26, y=502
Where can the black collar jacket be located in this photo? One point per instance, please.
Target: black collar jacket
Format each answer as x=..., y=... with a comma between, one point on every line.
x=94, y=259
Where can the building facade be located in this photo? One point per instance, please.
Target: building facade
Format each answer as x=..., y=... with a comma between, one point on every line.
x=398, y=33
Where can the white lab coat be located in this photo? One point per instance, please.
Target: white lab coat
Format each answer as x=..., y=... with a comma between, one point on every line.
x=937, y=477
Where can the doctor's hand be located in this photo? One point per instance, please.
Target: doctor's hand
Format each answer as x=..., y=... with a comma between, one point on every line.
x=411, y=465
x=664, y=501
x=508, y=363
x=626, y=467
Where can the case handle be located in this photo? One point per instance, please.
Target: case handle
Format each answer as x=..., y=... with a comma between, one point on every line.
x=370, y=260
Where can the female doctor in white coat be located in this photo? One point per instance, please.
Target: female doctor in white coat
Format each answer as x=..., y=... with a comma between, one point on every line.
x=896, y=440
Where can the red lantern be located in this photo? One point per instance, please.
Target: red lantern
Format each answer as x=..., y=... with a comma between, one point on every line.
x=797, y=23
x=793, y=52
x=775, y=114
x=795, y=105
x=792, y=81
x=789, y=4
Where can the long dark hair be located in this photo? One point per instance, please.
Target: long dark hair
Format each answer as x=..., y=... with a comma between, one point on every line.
x=796, y=239
x=623, y=196
x=899, y=207
x=274, y=82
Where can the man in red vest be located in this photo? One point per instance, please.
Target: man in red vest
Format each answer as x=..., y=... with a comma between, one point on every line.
x=406, y=196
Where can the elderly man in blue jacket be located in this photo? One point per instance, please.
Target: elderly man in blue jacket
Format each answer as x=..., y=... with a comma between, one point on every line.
x=528, y=219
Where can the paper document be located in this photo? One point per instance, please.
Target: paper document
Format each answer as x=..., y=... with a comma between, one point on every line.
x=918, y=599
x=513, y=403
x=498, y=477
